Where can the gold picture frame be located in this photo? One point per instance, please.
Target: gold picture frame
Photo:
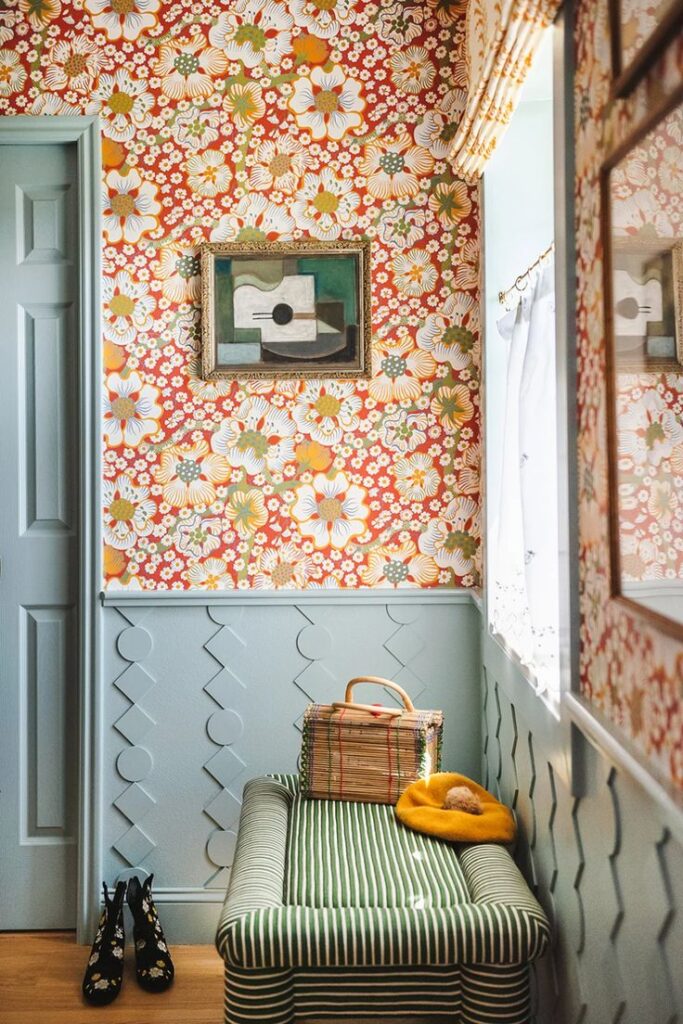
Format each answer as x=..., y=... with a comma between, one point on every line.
x=286, y=309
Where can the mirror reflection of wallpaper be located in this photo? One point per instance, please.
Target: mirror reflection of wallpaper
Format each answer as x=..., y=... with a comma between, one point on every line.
x=650, y=418
x=631, y=671
x=639, y=19
x=647, y=185
x=645, y=191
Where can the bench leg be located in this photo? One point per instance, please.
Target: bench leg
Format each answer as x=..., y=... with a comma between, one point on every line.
x=258, y=995
x=495, y=994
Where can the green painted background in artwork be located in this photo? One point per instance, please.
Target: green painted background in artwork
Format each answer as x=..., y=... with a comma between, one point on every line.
x=336, y=278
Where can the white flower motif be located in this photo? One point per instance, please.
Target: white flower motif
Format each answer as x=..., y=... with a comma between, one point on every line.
x=640, y=210
x=416, y=477
x=48, y=103
x=282, y=568
x=127, y=510
x=278, y=164
x=123, y=103
x=254, y=31
x=435, y=132
x=400, y=23
x=452, y=539
x=207, y=173
x=447, y=342
x=258, y=437
x=323, y=17
x=187, y=68
x=199, y=535
x=12, y=73
x=211, y=574
x=327, y=103
x=648, y=429
x=326, y=410
x=404, y=432
x=331, y=510
x=414, y=272
x=412, y=70
x=196, y=129
x=130, y=410
x=127, y=19
x=74, y=63
x=403, y=227
x=127, y=307
x=129, y=206
x=398, y=565
x=325, y=204
x=255, y=218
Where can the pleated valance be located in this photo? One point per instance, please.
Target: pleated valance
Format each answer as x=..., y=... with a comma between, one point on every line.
x=502, y=39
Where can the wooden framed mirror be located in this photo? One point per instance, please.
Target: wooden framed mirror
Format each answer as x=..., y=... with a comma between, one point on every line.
x=639, y=31
x=642, y=211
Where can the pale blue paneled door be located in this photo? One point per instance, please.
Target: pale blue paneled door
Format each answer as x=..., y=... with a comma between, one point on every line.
x=39, y=277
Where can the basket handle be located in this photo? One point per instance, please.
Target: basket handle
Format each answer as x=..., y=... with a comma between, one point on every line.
x=348, y=701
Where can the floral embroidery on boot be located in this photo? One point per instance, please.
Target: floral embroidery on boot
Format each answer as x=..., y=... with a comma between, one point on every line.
x=153, y=962
x=103, y=974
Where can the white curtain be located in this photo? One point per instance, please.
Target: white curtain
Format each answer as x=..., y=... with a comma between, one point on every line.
x=524, y=571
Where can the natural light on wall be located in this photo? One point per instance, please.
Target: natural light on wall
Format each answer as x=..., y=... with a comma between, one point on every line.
x=521, y=407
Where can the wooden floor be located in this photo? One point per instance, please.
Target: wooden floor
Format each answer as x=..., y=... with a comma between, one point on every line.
x=41, y=974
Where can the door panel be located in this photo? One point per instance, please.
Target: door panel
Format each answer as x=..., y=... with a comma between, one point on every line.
x=38, y=535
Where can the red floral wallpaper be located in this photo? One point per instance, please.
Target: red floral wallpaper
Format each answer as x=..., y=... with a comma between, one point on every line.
x=265, y=118
x=631, y=672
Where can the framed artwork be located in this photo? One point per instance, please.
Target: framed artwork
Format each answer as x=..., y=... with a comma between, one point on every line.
x=286, y=309
x=639, y=31
x=648, y=306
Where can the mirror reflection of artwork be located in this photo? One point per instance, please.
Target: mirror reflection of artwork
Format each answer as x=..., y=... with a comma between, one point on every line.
x=648, y=325
x=642, y=189
x=286, y=309
x=638, y=30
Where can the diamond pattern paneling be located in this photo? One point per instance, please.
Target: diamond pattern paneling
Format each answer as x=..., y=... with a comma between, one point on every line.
x=608, y=872
x=134, y=643
x=218, y=699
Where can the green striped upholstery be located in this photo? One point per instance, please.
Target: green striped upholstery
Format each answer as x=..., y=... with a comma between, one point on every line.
x=334, y=909
x=345, y=854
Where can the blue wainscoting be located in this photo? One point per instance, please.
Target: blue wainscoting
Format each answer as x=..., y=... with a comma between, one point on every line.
x=604, y=859
x=203, y=692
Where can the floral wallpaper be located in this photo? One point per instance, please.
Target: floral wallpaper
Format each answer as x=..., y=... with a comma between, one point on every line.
x=631, y=672
x=645, y=194
x=250, y=119
x=650, y=418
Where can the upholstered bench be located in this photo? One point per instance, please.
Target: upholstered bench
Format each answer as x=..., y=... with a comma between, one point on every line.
x=335, y=910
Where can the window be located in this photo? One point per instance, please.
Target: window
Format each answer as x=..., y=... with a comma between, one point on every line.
x=522, y=543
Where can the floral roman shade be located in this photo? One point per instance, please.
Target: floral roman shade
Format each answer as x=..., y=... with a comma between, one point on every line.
x=502, y=38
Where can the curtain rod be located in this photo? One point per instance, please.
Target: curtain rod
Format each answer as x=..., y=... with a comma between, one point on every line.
x=520, y=281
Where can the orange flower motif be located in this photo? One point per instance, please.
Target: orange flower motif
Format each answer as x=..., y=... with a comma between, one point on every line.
x=310, y=49
x=312, y=456
x=114, y=357
x=113, y=153
x=114, y=562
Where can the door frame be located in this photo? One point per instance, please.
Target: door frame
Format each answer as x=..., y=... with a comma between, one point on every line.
x=26, y=129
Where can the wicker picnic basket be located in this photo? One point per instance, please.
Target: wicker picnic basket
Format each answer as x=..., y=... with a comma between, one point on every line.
x=367, y=752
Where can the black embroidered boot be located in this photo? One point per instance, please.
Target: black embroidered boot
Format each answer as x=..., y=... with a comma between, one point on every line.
x=102, y=981
x=153, y=963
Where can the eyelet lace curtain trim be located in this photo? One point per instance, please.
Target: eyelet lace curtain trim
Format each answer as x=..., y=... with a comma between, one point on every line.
x=502, y=37
x=524, y=557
